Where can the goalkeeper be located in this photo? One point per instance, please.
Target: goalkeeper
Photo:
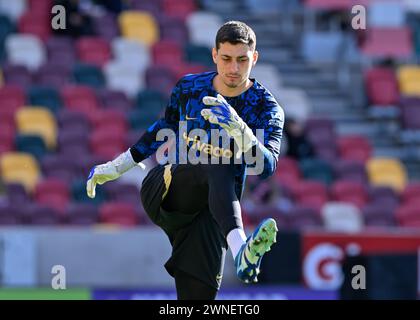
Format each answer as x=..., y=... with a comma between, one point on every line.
x=197, y=205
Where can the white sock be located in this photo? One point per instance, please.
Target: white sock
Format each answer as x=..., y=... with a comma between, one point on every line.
x=235, y=239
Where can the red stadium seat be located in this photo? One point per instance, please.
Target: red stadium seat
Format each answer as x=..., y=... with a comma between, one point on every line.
x=312, y=194
x=120, y=213
x=167, y=53
x=12, y=97
x=408, y=215
x=7, y=138
x=411, y=193
x=52, y=193
x=388, y=42
x=80, y=98
x=36, y=23
x=179, y=8
x=356, y=148
x=112, y=120
x=108, y=144
x=287, y=172
x=349, y=191
x=382, y=86
x=93, y=50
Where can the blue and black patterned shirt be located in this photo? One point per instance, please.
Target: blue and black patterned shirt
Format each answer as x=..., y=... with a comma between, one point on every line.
x=256, y=106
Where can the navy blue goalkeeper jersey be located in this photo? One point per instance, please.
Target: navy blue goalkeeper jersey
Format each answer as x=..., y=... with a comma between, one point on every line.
x=256, y=106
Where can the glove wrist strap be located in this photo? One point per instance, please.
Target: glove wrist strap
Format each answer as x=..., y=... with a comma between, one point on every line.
x=124, y=162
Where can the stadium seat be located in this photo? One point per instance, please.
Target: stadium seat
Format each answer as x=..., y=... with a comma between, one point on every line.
x=61, y=167
x=350, y=170
x=16, y=194
x=266, y=71
x=13, y=10
x=61, y=51
x=349, y=192
x=105, y=26
x=11, y=98
x=388, y=43
x=44, y=96
x=167, y=53
x=122, y=77
x=202, y=26
x=384, y=195
x=38, y=121
x=202, y=55
x=114, y=100
x=354, y=148
x=316, y=169
x=311, y=194
x=7, y=136
x=140, y=26
x=20, y=168
x=35, y=23
x=288, y=172
x=119, y=213
x=302, y=217
x=410, y=193
x=410, y=111
x=40, y=6
x=408, y=215
x=73, y=120
x=134, y=53
x=122, y=192
x=53, y=75
x=93, y=50
x=42, y=215
x=82, y=214
x=73, y=139
x=172, y=28
x=341, y=217
x=6, y=27
x=89, y=75
x=52, y=193
x=161, y=79
x=378, y=215
x=107, y=144
x=17, y=75
x=154, y=8
x=386, y=14
x=382, y=86
x=387, y=172
x=26, y=50
x=409, y=80
x=80, y=98
x=112, y=120
x=31, y=143
x=295, y=102
x=322, y=47
x=10, y=214
x=178, y=8
x=150, y=99
x=329, y=4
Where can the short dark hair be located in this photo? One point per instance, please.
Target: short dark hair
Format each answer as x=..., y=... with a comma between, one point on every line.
x=236, y=32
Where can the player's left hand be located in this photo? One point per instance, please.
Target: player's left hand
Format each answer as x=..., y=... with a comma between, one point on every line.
x=222, y=113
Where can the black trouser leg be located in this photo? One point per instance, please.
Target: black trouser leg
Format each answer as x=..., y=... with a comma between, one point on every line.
x=195, y=186
x=190, y=288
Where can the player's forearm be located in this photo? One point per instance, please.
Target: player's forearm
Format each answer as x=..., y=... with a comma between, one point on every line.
x=148, y=142
x=270, y=161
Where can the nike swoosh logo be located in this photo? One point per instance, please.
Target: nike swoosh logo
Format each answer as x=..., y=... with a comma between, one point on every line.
x=188, y=118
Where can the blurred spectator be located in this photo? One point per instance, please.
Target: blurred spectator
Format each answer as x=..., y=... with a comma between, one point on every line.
x=298, y=146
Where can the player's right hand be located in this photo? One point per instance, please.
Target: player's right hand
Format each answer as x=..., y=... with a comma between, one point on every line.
x=99, y=175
